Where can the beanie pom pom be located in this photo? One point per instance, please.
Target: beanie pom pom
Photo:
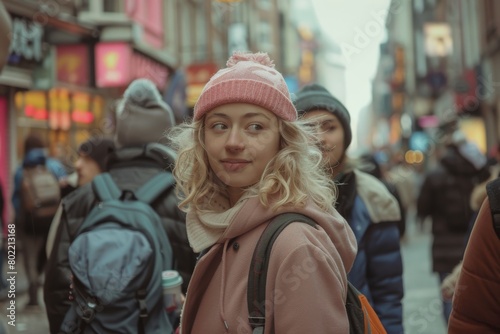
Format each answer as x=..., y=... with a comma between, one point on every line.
x=259, y=57
x=142, y=92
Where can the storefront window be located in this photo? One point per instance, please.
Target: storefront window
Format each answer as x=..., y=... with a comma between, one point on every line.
x=63, y=118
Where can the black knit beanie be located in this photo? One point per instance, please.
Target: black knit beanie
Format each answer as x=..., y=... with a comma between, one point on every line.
x=98, y=149
x=314, y=97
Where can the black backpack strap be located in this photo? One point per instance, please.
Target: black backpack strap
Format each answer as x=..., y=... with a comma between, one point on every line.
x=493, y=191
x=256, y=290
x=154, y=187
x=140, y=295
x=105, y=187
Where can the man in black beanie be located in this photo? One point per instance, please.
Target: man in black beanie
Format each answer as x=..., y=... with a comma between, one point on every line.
x=371, y=211
x=316, y=97
x=142, y=118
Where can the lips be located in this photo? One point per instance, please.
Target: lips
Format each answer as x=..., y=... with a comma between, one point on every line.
x=234, y=165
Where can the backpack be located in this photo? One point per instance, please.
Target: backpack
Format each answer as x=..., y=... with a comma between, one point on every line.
x=362, y=317
x=116, y=259
x=40, y=196
x=493, y=191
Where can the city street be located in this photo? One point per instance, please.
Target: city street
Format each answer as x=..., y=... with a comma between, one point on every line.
x=422, y=303
x=422, y=306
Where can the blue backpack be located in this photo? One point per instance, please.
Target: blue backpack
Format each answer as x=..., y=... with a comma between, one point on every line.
x=116, y=258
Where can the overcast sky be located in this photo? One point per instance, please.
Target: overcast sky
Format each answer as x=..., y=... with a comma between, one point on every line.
x=357, y=27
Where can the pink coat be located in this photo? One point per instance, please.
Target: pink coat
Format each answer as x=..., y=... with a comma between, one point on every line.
x=476, y=304
x=306, y=281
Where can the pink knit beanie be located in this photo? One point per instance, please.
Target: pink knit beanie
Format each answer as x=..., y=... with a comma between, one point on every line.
x=248, y=78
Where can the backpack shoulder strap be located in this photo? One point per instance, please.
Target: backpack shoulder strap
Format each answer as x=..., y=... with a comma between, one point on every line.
x=154, y=187
x=105, y=188
x=256, y=290
x=493, y=191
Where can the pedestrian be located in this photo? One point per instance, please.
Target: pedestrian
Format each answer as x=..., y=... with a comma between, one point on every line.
x=371, y=211
x=141, y=121
x=93, y=156
x=475, y=303
x=241, y=161
x=477, y=198
x=445, y=197
x=33, y=230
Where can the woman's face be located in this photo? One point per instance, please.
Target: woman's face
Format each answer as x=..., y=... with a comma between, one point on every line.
x=331, y=136
x=240, y=141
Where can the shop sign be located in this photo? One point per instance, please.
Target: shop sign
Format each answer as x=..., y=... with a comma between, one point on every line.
x=112, y=64
x=197, y=77
x=438, y=39
x=33, y=104
x=81, y=108
x=72, y=64
x=26, y=41
x=60, y=104
x=117, y=65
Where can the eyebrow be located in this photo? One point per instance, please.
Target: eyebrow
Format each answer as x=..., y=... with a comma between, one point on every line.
x=248, y=115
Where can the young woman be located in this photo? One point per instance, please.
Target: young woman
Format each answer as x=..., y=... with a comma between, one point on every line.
x=366, y=204
x=242, y=161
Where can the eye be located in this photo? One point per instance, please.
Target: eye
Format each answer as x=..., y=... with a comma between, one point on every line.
x=255, y=127
x=328, y=127
x=331, y=128
x=218, y=126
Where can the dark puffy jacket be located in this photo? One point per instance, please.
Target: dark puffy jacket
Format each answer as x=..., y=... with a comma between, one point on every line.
x=445, y=197
x=378, y=268
x=130, y=168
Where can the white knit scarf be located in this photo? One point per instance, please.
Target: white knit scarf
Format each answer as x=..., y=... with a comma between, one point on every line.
x=204, y=229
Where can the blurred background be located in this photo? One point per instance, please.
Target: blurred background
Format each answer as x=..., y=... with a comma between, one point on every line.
x=403, y=68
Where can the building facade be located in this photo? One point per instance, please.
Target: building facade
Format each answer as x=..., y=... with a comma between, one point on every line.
x=70, y=61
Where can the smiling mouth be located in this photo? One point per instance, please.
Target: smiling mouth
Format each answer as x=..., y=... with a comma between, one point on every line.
x=233, y=166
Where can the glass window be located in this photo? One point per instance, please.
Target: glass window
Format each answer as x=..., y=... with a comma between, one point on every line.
x=264, y=37
x=110, y=6
x=265, y=4
x=170, y=24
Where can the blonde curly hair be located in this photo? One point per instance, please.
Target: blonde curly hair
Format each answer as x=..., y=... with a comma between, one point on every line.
x=295, y=175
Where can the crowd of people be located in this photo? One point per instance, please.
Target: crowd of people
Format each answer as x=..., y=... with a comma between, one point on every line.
x=249, y=153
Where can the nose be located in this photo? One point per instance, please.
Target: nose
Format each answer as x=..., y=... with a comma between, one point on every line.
x=321, y=139
x=235, y=141
x=78, y=164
